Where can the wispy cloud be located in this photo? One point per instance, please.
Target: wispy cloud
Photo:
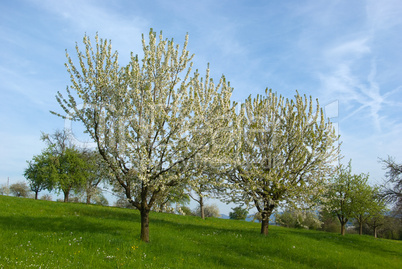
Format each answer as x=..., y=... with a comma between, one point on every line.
x=357, y=93
x=383, y=15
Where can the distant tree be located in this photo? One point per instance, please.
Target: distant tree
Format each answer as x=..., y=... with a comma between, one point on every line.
x=40, y=172
x=46, y=197
x=238, y=213
x=122, y=202
x=166, y=202
x=210, y=211
x=350, y=196
x=19, y=189
x=294, y=218
x=330, y=222
x=99, y=198
x=96, y=172
x=286, y=219
x=366, y=201
x=311, y=220
x=186, y=211
x=71, y=171
x=376, y=220
x=206, y=177
x=340, y=195
x=257, y=217
x=392, y=189
x=4, y=190
x=203, y=187
x=201, y=192
x=391, y=228
x=71, y=166
x=284, y=153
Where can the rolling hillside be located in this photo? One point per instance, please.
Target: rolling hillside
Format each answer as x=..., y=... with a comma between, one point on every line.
x=43, y=234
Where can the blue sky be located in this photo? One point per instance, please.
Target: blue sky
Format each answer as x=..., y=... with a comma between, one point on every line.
x=348, y=54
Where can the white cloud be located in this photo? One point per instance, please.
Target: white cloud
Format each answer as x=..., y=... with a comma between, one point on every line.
x=349, y=50
x=385, y=14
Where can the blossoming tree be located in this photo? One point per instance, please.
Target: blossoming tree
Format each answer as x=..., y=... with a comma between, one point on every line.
x=148, y=118
x=284, y=152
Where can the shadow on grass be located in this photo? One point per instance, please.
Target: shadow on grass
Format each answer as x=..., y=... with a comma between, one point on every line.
x=53, y=224
x=250, y=250
x=355, y=242
x=188, y=236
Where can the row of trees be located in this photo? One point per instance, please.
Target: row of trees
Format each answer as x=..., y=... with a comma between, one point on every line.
x=64, y=168
x=19, y=189
x=162, y=130
x=349, y=197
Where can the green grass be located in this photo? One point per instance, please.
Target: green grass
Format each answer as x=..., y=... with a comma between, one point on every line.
x=42, y=234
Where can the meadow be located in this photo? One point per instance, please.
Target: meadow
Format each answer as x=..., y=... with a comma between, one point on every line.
x=44, y=234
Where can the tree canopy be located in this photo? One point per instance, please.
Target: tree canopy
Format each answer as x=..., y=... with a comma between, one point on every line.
x=283, y=153
x=350, y=196
x=238, y=213
x=40, y=172
x=148, y=118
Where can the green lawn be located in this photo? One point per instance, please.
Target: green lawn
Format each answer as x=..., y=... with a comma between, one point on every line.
x=43, y=234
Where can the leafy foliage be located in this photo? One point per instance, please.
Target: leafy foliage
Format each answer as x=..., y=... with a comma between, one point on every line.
x=238, y=213
x=350, y=196
x=41, y=172
x=330, y=222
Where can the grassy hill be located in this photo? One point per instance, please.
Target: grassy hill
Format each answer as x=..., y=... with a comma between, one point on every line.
x=43, y=234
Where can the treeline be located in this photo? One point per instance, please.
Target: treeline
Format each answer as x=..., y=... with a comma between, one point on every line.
x=350, y=199
x=65, y=169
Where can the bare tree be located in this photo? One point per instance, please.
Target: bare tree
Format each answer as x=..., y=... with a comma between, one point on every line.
x=392, y=189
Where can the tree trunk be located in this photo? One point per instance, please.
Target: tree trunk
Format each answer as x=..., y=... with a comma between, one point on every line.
x=375, y=232
x=343, y=228
x=144, y=224
x=36, y=195
x=265, y=219
x=202, y=207
x=264, y=224
x=88, y=198
x=66, y=193
x=360, y=228
x=343, y=220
